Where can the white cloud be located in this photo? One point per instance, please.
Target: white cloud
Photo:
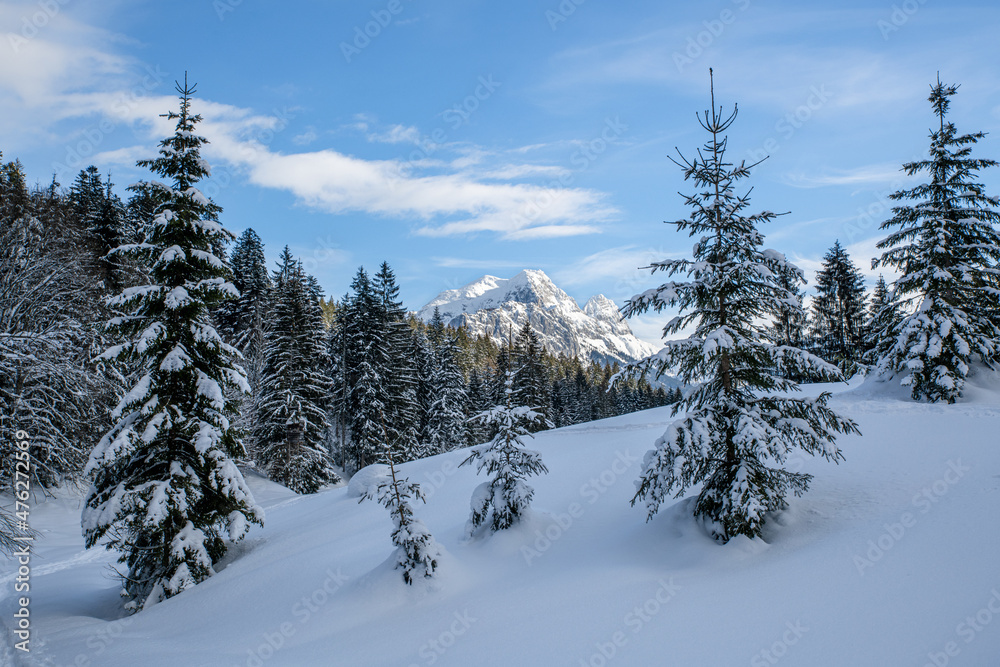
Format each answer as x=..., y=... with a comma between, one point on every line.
x=866, y=175
x=75, y=80
x=45, y=54
x=513, y=171
x=396, y=134
x=339, y=183
x=121, y=156
x=306, y=137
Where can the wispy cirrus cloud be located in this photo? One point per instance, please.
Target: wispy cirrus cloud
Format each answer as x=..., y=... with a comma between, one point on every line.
x=396, y=134
x=765, y=62
x=866, y=175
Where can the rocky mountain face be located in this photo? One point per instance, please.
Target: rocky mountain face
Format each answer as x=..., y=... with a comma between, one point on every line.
x=495, y=306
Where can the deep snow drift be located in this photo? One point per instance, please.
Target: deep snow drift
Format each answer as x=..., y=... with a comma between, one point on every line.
x=889, y=559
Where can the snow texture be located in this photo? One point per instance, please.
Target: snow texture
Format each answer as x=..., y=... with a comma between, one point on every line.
x=839, y=565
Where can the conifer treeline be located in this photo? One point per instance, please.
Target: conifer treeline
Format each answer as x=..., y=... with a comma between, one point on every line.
x=379, y=374
x=326, y=375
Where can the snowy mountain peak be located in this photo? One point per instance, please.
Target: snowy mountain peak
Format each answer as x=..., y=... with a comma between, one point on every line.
x=533, y=286
x=493, y=306
x=602, y=308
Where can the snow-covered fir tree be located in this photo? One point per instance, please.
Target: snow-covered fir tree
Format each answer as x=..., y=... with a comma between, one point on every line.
x=883, y=315
x=417, y=553
x=294, y=392
x=376, y=365
x=446, y=415
x=86, y=195
x=242, y=321
x=109, y=234
x=101, y=215
x=166, y=493
x=141, y=210
x=500, y=371
x=500, y=502
x=789, y=323
x=340, y=394
x=581, y=397
x=402, y=414
x=426, y=370
x=436, y=328
x=531, y=386
x=739, y=422
x=946, y=246
x=478, y=400
x=367, y=359
x=839, y=310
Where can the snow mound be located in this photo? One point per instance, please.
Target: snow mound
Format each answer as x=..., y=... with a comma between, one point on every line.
x=367, y=478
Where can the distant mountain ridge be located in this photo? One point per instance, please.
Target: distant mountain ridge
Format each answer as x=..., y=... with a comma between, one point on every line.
x=493, y=306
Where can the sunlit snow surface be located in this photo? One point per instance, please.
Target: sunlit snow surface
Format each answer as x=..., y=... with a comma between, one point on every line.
x=887, y=560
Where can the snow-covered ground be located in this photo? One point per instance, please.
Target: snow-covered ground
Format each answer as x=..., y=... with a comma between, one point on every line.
x=890, y=559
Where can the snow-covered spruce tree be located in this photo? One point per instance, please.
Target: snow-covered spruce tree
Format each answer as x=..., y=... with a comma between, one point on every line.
x=86, y=195
x=478, y=400
x=109, y=234
x=788, y=326
x=583, y=399
x=402, y=415
x=141, y=210
x=839, y=310
x=426, y=371
x=242, y=321
x=531, y=386
x=166, y=493
x=883, y=315
x=100, y=214
x=499, y=375
x=501, y=501
x=739, y=427
x=367, y=361
x=340, y=394
x=446, y=415
x=417, y=552
x=294, y=392
x=947, y=248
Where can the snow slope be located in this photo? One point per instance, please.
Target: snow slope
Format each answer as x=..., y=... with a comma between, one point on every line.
x=494, y=306
x=890, y=559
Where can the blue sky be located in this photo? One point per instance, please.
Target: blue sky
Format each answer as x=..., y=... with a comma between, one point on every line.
x=455, y=139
